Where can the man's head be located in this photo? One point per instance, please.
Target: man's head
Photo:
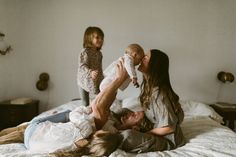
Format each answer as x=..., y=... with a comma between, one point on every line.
x=134, y=119
x=130, y=118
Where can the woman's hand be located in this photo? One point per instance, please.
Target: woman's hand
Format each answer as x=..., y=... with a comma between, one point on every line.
x=161, y=131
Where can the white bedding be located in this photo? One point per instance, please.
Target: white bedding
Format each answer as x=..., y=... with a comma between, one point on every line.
x=205, y=136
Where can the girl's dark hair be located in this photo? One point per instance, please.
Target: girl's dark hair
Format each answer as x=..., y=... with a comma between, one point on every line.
x=88, y=36
x=157, y=76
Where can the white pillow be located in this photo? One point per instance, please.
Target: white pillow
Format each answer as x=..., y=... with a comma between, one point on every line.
x=116, y=106
x=132, y=103
x=193, y=108
x=67, y=106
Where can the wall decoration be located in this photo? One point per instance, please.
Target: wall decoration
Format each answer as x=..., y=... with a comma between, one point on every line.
x=42, y=83
x=4, y=46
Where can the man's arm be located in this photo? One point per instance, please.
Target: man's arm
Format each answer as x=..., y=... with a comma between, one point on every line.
x=103, y=101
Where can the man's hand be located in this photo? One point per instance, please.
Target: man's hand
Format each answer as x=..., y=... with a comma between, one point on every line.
x=121, y=73
x=81, y=143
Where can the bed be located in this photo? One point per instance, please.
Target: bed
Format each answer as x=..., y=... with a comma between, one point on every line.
x=201, y=127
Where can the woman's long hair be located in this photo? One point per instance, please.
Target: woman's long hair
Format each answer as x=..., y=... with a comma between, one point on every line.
x=105, y=144
x=157, y=76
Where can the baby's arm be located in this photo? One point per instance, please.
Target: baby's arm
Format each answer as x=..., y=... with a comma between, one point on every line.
x=130, y=68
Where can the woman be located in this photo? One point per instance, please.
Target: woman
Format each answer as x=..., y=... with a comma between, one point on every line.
x=162, y=108
x=161, y=105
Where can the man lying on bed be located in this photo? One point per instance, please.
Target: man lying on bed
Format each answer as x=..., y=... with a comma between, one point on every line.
x=84, y=121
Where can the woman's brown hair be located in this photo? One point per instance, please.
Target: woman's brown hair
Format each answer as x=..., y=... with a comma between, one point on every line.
x=88, y=36
x=104, y=144
x=157, y=76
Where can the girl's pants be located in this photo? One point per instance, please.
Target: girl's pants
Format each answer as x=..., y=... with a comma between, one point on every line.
x=84, y=95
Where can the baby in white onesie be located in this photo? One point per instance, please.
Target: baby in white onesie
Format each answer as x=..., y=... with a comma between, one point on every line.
x=134, y=54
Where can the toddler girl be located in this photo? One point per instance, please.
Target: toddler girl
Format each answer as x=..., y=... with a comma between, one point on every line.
x=90, y=73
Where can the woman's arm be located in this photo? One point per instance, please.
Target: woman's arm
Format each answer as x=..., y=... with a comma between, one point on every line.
x=105, y=98
x=161, y=131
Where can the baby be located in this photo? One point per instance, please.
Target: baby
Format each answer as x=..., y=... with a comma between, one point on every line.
x=134, y=54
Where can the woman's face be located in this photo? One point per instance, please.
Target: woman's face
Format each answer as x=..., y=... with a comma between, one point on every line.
x=143, y=67
x=132, y=118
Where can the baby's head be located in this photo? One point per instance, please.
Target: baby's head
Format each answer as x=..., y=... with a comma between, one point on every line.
x=135, y=51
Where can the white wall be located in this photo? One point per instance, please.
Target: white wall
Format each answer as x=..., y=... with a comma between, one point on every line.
x=46, y=35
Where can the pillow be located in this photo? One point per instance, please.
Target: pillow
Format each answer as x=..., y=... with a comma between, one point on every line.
x=193, y=108
x=116, y=106
x=132, y=103
x=69, y=105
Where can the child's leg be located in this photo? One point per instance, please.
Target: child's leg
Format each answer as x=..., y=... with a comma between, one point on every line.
x=84, y=95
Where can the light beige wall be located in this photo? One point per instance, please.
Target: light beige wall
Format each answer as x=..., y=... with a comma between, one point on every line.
x=46, y=35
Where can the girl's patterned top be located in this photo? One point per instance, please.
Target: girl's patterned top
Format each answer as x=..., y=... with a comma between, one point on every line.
x=89, y=60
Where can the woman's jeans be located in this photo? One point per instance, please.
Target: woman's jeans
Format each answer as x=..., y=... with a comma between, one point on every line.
x=56, y=118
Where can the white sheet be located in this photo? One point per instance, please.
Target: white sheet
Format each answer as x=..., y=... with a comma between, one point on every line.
x=205, y=136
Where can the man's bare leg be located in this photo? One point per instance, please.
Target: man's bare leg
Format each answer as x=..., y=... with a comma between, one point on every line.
x=13, y=135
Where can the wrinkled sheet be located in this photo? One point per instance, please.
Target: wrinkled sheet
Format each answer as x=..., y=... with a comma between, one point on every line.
x=205, y=137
